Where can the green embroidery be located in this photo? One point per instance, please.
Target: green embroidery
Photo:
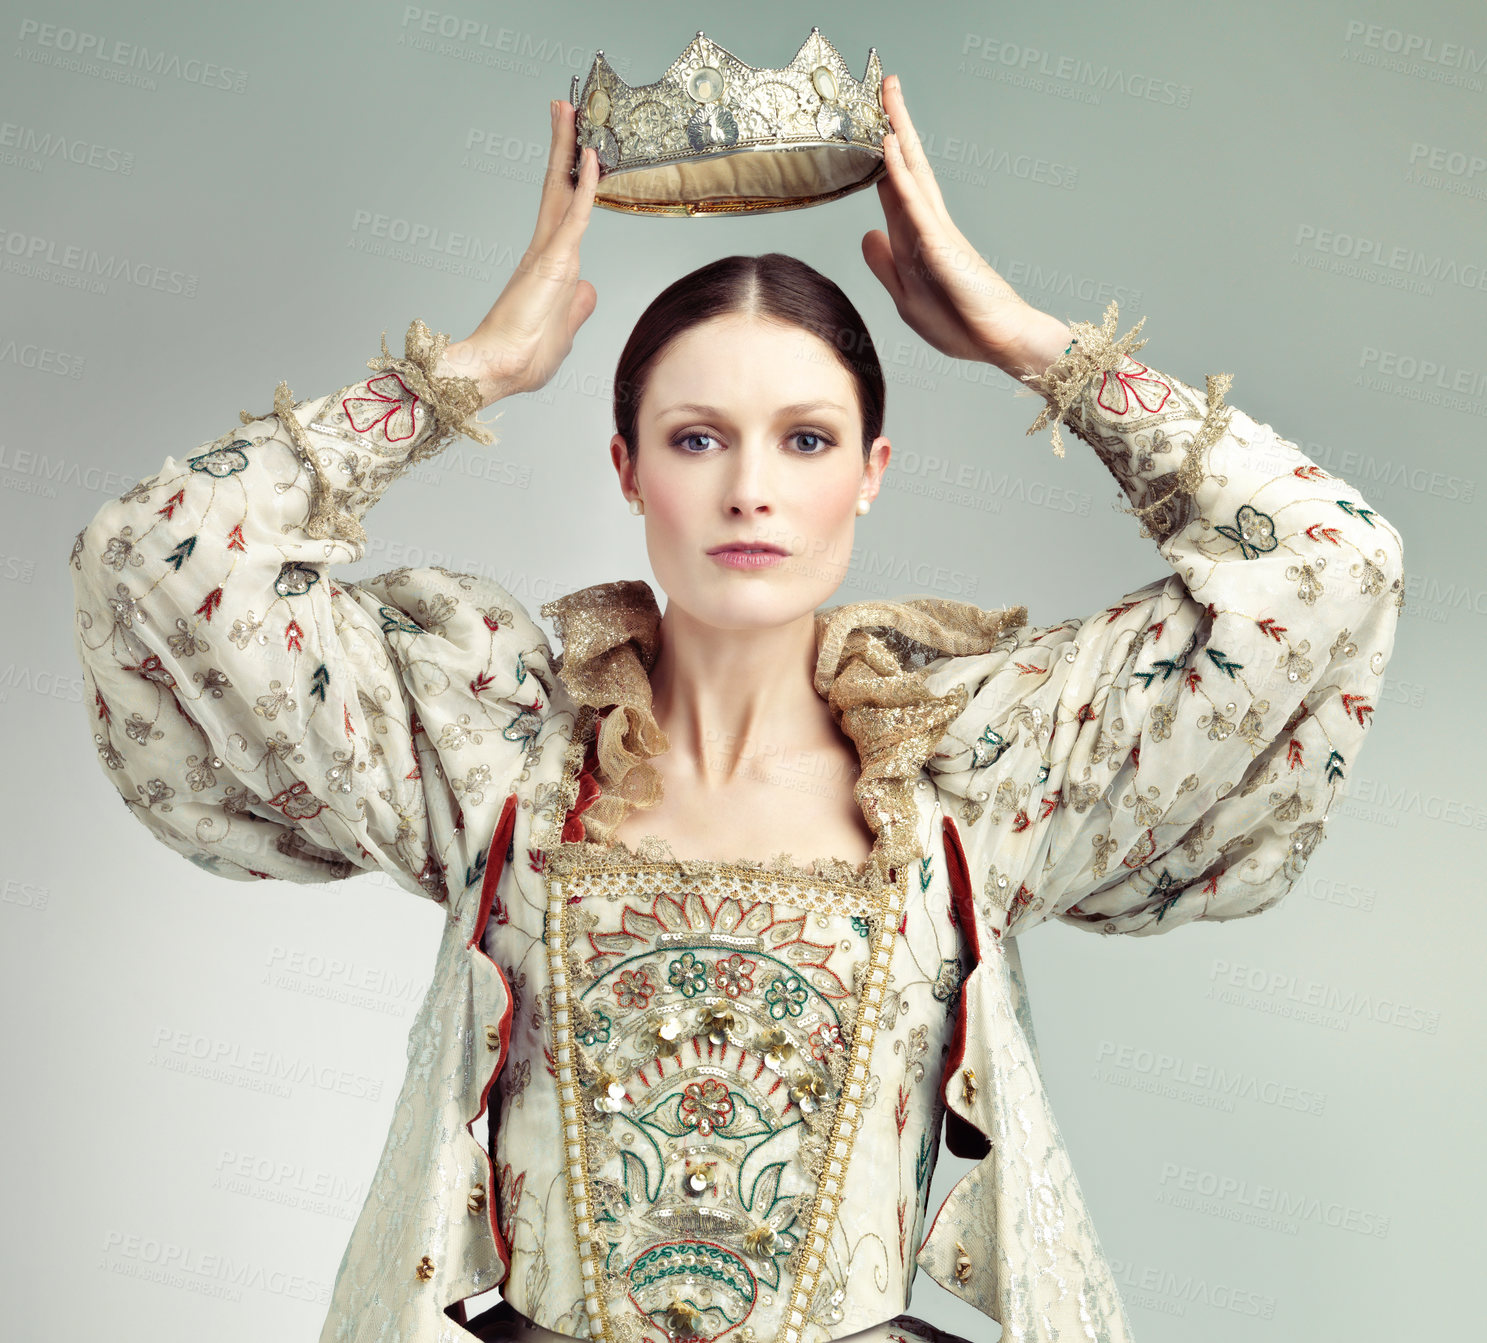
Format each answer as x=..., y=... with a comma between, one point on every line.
x=598, y=1033
x=688, y=974
x=1253, y=530
x=787, y=996
x=987, y=749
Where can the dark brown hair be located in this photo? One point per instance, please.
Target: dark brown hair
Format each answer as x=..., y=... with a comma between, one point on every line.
x=773, y=286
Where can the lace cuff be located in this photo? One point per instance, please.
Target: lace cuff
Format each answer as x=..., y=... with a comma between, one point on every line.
x=453, y=401
x=445, y=406
x=1093, y=351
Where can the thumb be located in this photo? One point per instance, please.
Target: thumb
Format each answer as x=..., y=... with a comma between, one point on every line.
x=878, y=253
x=585, y=300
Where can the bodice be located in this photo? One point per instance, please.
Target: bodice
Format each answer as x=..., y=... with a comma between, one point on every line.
x=721, y=1108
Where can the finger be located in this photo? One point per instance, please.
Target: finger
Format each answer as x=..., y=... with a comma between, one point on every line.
x=915, y=227
x=581, y=203
x=557, y=184
x=901, y=232
x=913, y=152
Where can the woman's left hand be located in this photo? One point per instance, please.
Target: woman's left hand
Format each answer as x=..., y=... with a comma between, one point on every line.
x=939, y=282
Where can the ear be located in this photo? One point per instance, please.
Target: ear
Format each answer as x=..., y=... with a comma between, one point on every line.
x=619, y=454
x=875, y=466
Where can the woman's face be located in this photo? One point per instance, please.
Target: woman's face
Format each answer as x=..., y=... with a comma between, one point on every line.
x=750, y=431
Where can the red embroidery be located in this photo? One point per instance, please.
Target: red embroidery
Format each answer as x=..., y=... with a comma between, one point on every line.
x=1122, y=388
x=392, y=405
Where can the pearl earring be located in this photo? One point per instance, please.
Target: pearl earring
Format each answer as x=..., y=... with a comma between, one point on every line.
x=637, y=507
x=863, y=505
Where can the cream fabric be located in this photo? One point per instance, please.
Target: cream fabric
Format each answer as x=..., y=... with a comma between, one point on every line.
x=1169, y=758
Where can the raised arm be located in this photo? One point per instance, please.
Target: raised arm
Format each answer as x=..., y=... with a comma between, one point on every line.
x=1174, y=755
x=261, y=718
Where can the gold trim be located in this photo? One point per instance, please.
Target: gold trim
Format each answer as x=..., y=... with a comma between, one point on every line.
x=822, y=1209
x=819, y=1212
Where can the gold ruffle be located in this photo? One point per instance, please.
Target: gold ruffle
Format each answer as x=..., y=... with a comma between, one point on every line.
x=871, y=658
x=611, y=633
x=870, y=668
x=1094, y=350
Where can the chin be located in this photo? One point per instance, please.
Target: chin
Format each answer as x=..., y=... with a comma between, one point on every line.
x=743, y=600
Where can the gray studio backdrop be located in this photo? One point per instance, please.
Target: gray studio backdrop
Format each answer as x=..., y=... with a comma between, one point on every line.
x=1266, y=1115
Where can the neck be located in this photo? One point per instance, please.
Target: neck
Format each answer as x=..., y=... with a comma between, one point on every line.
x=728, y=698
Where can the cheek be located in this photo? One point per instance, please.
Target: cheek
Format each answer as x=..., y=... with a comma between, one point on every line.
x=672, y=500
x=832, y=504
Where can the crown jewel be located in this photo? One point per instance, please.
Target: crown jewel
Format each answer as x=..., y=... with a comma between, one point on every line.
x=714, y=135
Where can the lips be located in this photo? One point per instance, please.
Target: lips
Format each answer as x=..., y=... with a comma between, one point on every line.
x=744, y=547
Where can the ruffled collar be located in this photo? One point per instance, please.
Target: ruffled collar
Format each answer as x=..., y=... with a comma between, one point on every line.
x=871, y=660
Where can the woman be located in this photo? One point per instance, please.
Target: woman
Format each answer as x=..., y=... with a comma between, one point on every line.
x=718, y=1009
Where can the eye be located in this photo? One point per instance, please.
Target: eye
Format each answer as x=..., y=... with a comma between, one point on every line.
x=823, y=440
x=681, y=440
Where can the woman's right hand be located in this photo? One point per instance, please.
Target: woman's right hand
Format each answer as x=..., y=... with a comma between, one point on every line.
x=529, y=330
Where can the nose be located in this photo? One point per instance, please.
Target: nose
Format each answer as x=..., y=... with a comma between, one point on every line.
x=748, y=488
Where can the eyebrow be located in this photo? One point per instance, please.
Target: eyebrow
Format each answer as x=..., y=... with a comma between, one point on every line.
x=795, y=408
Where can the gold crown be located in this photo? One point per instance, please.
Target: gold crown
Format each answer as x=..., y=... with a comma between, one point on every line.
x=716, y=136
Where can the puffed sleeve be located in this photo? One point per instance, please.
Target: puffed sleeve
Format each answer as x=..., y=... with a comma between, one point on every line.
x=262, y=718
x=1169, y=758
x=1173, y=756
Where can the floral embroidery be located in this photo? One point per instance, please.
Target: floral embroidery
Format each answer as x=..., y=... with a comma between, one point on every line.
x=224, y=461
x=787, y=995
x=826, y=1039
x=706, y=1106
x=1254, y=530
x=634, y=988
x=1121, y=386
x=295, y=580
x=386, y=401
x=688, y=974
x=734, y=975
x=598, y=1029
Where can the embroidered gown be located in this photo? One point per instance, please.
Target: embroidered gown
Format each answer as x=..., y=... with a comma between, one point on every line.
x=716, y=1089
